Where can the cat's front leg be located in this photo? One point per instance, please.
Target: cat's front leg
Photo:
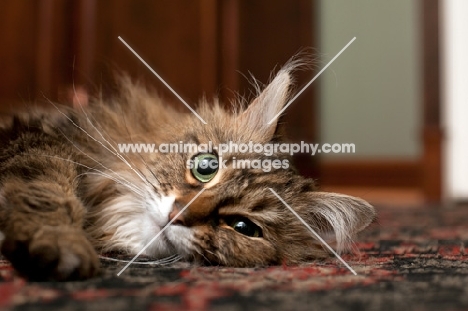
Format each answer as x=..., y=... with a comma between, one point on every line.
x=43, y=235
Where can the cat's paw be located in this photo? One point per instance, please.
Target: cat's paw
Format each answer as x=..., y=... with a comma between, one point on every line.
x=56, y=253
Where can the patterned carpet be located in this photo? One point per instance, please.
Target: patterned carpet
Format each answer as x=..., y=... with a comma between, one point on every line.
x=412, y=259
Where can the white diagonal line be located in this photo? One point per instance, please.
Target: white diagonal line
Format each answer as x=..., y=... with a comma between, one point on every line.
x=310, y=82
x=160, y=232
x=314, y=233
x=162, y=80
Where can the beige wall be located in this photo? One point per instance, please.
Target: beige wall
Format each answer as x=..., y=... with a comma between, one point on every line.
x=370, y=95
x=455, y=97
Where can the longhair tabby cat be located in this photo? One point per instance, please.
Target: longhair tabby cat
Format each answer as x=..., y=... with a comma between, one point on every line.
x=67, y=193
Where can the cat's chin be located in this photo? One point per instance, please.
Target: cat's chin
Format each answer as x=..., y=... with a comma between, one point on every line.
x=180, y=238
x=174, y=240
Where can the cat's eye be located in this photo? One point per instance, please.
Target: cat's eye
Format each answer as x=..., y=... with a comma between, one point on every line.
x=246, y=227
x=204, y=167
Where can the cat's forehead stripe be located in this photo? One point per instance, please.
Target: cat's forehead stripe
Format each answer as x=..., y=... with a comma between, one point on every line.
x=191, y=137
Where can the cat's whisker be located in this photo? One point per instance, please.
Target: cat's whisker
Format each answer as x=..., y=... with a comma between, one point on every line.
x=142, y=159
x=160, y=262
x=149, y=182
x=121, y=181
x=102, y=165
x=118, y=155
x=130, y=186
x=170, y=260
x=117, y=181
x=126, y=183
x=150, y=170
x=201, y=254
x=112, y=146
x=91, y=123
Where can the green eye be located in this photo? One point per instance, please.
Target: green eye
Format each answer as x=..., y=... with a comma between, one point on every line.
x=246, y=227
x=205, y=167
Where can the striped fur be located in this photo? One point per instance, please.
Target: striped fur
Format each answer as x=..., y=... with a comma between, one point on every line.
x=67, y=193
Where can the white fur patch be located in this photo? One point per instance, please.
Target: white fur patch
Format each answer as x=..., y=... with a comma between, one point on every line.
x=136, y=221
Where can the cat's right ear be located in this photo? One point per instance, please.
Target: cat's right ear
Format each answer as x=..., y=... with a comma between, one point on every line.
x=261, y=117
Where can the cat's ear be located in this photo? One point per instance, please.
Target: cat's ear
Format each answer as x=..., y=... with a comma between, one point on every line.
x=338, y=217
x=261, y=115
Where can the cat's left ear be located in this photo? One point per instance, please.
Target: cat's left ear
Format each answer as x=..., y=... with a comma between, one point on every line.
x=338, y=216
x=261, y=115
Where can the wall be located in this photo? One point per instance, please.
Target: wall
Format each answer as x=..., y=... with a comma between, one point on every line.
x=455, y=97
x=370, y=95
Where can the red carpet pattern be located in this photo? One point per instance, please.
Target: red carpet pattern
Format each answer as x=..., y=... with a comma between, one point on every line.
x=411, y=259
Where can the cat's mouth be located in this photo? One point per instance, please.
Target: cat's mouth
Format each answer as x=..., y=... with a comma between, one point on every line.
x=179, y=239
x=165, y=241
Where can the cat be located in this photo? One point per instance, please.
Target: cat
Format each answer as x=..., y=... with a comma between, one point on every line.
x=67, y=193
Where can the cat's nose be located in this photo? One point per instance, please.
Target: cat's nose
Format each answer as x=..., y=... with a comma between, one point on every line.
x=195, y=211
x=176, y=220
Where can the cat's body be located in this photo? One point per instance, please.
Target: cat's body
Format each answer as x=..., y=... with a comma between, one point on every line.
x=66, y=192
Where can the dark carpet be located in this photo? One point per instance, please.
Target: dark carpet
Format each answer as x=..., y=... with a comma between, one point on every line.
x=412, y=259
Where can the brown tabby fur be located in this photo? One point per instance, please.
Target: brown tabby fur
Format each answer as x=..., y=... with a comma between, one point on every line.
x=58, y=209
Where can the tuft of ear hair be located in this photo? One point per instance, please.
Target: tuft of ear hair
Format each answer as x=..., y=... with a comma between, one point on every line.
x=270, y=102
x=338, y=217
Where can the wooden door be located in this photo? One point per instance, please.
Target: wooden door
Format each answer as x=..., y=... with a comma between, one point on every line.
x=201, y=48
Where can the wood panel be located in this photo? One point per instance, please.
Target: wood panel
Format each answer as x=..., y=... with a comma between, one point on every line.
x=432, y=132
x=201, y=48
x=169, y=35
x=376, y=173
x=259, y=37
x=229, y=48
x=35, y=45
x=17, y=24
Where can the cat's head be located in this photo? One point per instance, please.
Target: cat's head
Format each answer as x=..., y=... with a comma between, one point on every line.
x=236, y=215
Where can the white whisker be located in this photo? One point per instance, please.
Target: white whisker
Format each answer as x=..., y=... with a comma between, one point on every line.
x=119, y=155
x=144, y=162
x=161, y=262
x=142, y=159
x=105, y=167
x=201, y=254
x=130, y=186
x=93, y=138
